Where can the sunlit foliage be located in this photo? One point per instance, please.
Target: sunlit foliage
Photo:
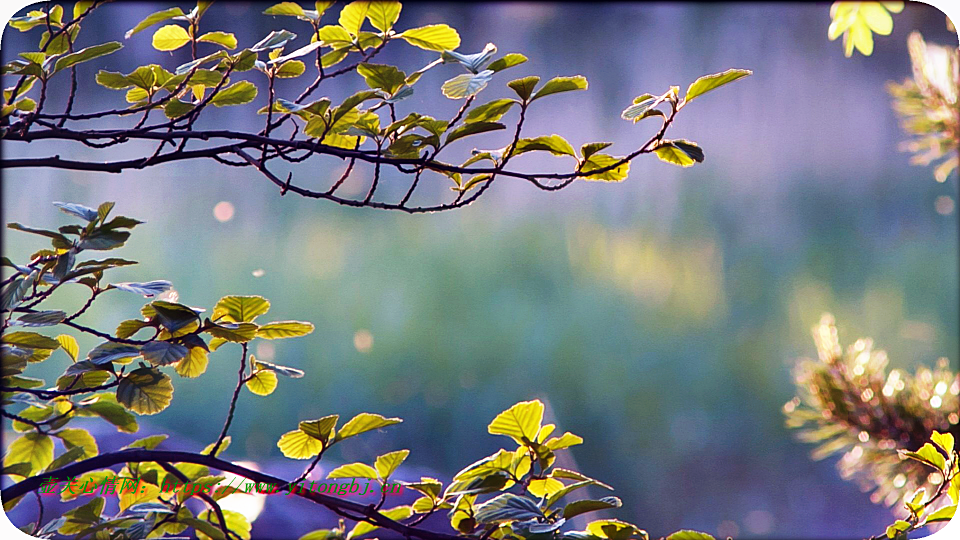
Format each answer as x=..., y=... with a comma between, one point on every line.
x=368, y=126
x=516, y=493
x=849, y=403
x=928, y=105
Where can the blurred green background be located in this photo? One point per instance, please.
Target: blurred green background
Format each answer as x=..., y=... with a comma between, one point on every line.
x=658, y=318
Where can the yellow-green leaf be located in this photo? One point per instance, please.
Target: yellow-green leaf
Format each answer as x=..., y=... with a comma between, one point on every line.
x=145, y=391
x=298, y=445
x=262, y=382
x=383, y=15
x=364, y=422
x=235, y=94
x=396, y=514
x=520, y=422
x=321, y=429
x=76, y=437
x=195, y=363
x=284, y=329
x=69, y=345
x=353, y=470
x=291, y=69
x=33, y=448
x=240, y=308
x=220, y=38
x=709, y=82
x=388, y=463
x=353, y=14
x=170, y=38
x=434, y=37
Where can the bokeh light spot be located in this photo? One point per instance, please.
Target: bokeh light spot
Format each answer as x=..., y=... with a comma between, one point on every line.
x=223, y=211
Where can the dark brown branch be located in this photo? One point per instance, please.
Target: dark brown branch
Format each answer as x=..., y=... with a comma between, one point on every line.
x=138, y=455
x=233, y=400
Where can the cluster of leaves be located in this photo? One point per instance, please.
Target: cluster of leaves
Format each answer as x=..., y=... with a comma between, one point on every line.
x=516, y=493
x=940, y=455
x=105, y=383
x=858, y=21
x=524, y=491
x=848, y=402
x=364, y=126
x=928, y=105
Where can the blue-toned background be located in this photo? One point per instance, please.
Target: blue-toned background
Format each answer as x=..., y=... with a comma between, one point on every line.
x=658, y=318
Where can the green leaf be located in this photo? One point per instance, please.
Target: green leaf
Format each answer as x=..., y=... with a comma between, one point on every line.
x=590, y=149
x=147, y=289
x=643, y=107
x=281, y=370
x=273, y=40
x=220, y=38
x=614, y=529
x=291, y=69
x=434, y=37
x=364, y=422
x=236, y=523
x=170, y=38
x=33, y=448
x=284, y=329
x=671, y=153
x=353, y=470
x=364, y=527
x=508, y=60
x=554, y=144
x=524, y=87
x=383, y=15
x=352, y=16
x=388, y=463
x=709, y=82
x=561, y=84
x=929, y=455
x=473, y=128
x=291, y=9
x=103, y=240
x=79, y=210
x=79, y=438
x=147, y=443
x=564, y=441
x=105, y=406
x=86, y=54
x=490, y=112
x=521, y=422
x=600, y=161
x=59, y=240
x=322, y=429
x=195, y=363
x=163, y=353
x=466, y=85
x=507, y=507
x=943, y=514
x=30, y=340
x=333, y=35
x=234, y=332
x=689, y=535
x=943, y=440
x=893, y=531
x=235, y=94
x=240, y=308
x=388, y=78
x=153, y=19
x=262, y=382
x=145, y=390
x=66, y=458
x=40, y=318
x=589, y=505
x=298, y=445
x=69, y=345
